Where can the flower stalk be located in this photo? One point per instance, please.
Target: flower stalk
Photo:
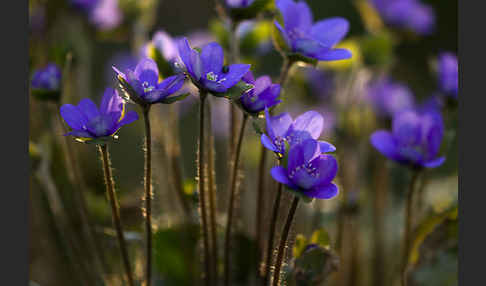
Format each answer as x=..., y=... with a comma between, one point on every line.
x=408, y=227
x=148, y=193
x=283, y=241
x=234, y=179
x=115, y=211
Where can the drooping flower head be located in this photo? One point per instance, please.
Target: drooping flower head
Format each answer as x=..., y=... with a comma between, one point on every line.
x=312, y=40
x=281, y=129
x=263, y=95
x=414, y=140
x=448, y=73
x=389, y=97
x=145, y=85
x=88, y=122
x=308, y=171
x=206, y=67
x=47, y=78
x=408, y=14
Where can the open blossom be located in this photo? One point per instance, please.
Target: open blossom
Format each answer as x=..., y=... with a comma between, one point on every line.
x=313, y=40
x=448, y=73
x=281, y=128
x=87, y=121
x=389, y=97
x=409, y=14
x=308, y=171
x=206, y=67
x=144, y=81
x=263, y=95
x=47, y=78
x=414, y=140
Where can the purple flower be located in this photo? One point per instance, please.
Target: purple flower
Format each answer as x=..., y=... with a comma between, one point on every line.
x=282, y=129
x=47, y=78
x=164, y=44
x=308, y=171
x=389, y=97
x=239, y=3
x=414, y=140
x=206, y=67
x=85, y=5
x=144, y=81
x=88, y=122
x=448, y=73
x=106, y=14
x=263, y=95
x=311, y=40
x=409, y=14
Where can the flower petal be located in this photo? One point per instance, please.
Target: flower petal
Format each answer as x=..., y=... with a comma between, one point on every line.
x=129, y=117
x=283, y=33
x=79, y=134
x=261, y=84
x=111, y=102
x=383, y=142
x=147, y=71
x=267, y=143
x=406, y=128
x=434, y=163
x=325, y=147
x=295, y=14
x=334, y=55
x=301, y=154
x=234, y=75
x=88, y=108
x=327, y=168
x=310, y=48
x=323, y=192
x=310, y=121
x=73, y=117
x=277, y=126
x=119, y=72
x=212, y=58
x=330, y=31
x=279, y=173
x=190, y=58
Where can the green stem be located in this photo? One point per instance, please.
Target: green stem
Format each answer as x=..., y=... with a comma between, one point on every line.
x=408, y=227
x=202, y=193
x=148, y=194
x=271, y=237
x=115, y=211
x=234, y=179
x=283, y=241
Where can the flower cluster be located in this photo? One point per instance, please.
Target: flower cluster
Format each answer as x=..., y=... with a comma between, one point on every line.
x=308, y=171
x=415, y=139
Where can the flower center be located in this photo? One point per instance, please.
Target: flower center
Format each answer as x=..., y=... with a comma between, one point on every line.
x=309, y=168
x=211, y=76
x=147, y=87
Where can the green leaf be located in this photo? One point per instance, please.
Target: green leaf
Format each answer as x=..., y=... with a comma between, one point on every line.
x=425, y=228
x=321, y=238
x=314, y=266
x=172, y=99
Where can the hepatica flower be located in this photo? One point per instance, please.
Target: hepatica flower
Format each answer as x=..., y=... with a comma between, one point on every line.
x=206, y=67
x=239, y=3
x=308, y=171
x=145, y=85
x=389, y=97
x=409, y=14
x=414, y=140
x=264, y=94
x=312, y=40
x=47, y=78
x=448, y=73
x=89, y=122
x=282, y=130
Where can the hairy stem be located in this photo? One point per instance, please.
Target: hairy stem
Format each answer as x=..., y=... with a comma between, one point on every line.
x=115, y=211
x=283, y=241
x=271, y=236
x=408, y=227
x=212, y=200
x=148, y=195
x=202, y=193
x=231, y=206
